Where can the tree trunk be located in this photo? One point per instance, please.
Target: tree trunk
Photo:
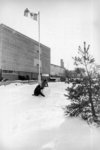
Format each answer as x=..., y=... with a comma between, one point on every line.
x=91, y=102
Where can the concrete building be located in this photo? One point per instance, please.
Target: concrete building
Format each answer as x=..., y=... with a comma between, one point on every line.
x=19, y=55
x=62, y=63
x=57, y=71
x=98, y=68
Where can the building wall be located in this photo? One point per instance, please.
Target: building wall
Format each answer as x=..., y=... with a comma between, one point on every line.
x=20, y=53
x=45, y=57
x=98, y=68
x=57, y=71
x=0, y=47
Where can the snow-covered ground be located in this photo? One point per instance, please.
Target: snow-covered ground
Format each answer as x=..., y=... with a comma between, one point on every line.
x=38, y=123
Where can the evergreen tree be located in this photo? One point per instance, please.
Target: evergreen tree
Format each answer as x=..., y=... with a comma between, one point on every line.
x=84, y=90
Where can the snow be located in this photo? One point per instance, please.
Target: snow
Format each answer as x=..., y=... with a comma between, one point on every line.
x=38, y=123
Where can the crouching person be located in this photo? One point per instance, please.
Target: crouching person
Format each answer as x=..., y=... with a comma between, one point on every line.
x=44, y=83
x=38, y=90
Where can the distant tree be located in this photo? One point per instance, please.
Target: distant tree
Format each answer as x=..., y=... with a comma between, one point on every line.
x=67, y=73
x=84, y=92
x=70, y=74
x=79, y=72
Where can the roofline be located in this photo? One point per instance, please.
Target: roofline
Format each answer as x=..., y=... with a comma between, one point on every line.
x=11, y=29
x=57, y=66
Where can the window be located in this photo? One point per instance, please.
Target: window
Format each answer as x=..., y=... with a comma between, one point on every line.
x=36, y=62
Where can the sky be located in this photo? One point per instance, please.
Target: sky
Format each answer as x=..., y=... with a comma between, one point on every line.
x=64, y=25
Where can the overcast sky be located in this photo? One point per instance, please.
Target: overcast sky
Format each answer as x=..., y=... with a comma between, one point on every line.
x=64, y=25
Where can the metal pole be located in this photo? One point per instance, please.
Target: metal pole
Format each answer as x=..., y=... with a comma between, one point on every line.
x=39, y=75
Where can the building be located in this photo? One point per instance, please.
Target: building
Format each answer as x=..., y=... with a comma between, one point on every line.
x=19, y=55
x=62, y=63
x=57, y=71
x=98, y=68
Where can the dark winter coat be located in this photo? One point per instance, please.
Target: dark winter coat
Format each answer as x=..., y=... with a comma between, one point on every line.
x=44, y=83
x=38, y=91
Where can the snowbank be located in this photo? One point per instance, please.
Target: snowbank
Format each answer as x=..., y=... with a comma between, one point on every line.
x=38, y=123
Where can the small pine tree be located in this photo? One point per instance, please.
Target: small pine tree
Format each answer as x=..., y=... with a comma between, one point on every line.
x=84, y=90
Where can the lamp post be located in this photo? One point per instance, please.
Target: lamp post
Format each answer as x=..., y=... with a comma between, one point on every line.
x=36, y=17
x=39, y=76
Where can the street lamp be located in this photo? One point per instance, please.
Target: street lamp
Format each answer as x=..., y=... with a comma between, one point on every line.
x=36, y=17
